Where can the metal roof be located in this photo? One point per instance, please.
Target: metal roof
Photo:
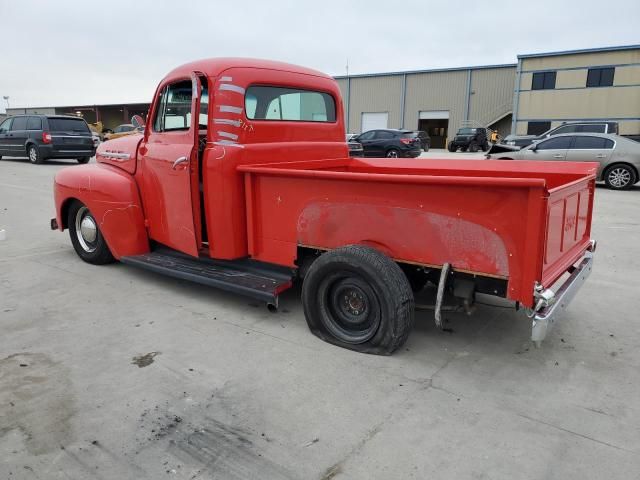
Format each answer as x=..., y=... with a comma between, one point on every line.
x=432, y=70
x=584, y=50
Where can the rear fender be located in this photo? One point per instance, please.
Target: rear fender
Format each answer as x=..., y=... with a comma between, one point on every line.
x=112, y=197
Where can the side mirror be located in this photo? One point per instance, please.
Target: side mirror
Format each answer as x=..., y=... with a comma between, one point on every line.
x=534, y=147
x=137, y=121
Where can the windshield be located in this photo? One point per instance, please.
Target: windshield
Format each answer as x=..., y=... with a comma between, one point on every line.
x=68, y=125
x=467, y=131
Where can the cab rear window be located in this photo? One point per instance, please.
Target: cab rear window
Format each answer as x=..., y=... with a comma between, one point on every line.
x=289, y=104
x=68, y=125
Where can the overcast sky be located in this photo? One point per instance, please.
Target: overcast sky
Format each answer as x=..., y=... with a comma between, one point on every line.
x=89, y=52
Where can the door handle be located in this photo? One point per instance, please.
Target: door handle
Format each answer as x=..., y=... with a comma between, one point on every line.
x=558, y=156
x=600, y=156
x=179, y=161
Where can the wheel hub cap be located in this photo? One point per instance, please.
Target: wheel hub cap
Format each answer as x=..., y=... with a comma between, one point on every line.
x=619, y=177
x=88, y=229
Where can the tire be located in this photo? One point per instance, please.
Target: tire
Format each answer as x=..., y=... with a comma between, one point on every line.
x=463, y=149
x=83, y=159
x=392, y=153
x=33, y=152
x=452, y=148
x=357, y=298
x=485, y=147
x=473, y=147
x=620, y=177
x=86, y=236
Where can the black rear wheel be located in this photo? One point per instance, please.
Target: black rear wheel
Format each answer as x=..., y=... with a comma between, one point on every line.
x=83, y=159
x=34, y=154
x=620, y=177
x=357, y=298
x=393, y=153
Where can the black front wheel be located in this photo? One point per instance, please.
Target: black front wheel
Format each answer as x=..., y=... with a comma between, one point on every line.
x=358, y=298
x=473, y=147
x=86, y=236
x=452, y=148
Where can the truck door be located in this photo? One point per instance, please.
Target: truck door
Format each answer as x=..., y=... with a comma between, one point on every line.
x=168, y=156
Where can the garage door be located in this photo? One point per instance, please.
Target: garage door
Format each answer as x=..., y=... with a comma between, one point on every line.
x=374, y=120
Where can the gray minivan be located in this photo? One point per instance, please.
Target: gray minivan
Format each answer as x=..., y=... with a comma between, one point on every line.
x=40, y=137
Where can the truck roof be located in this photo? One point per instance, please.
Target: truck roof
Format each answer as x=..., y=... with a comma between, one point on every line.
x=214, y=66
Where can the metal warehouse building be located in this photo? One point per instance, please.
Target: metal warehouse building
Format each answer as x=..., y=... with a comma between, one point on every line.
x=539, y=92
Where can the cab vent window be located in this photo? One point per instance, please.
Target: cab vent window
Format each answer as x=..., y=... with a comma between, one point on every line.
x=289, y=104
x=600, y=77
x=543, y=81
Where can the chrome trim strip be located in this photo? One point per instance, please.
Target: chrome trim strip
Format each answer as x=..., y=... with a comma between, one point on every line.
x=227, y=121
x=231, y=88
x=227, y=143
x=232, y=136
x=226, y=79
x=115, y=155
x=230, y=109
x=74, y=151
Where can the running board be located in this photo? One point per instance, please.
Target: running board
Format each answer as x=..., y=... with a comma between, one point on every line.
x=252, y=279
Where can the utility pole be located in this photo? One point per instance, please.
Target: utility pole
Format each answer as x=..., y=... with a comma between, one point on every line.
x=6, y=99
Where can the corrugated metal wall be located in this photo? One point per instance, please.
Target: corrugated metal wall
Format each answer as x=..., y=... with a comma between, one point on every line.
x=491, y=94
x=375, y=94
x=436, y=91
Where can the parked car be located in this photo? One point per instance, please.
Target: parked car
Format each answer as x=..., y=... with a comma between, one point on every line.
x=472, y=139
x=279, y=201
x=568, y=127
x=121, y=131
x=619, y=157
x=390, y=143
x=40, y=137
x=425, y=140
x=355, y=148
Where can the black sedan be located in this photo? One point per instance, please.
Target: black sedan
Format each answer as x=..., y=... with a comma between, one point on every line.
x=390, y=143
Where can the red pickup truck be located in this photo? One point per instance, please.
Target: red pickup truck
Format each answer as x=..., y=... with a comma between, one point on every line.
x=242, y=180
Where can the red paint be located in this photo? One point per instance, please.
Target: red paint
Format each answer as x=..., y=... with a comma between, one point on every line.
x=286, y=184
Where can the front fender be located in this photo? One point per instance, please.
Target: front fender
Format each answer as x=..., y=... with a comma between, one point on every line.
x=112, y=197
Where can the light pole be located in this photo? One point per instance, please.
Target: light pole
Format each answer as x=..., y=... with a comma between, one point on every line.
x=6, y=99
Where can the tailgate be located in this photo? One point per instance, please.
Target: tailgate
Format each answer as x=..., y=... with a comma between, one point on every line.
x=568, y=227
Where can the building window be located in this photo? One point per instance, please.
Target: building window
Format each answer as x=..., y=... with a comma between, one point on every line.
x=538, y=128
x=543, y=81
x=600, y=77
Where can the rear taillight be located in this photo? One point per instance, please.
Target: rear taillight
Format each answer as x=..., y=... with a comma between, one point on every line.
x=46, y=137
x=406, y=141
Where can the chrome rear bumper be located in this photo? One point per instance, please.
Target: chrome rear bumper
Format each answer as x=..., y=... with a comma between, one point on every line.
x=553, y=304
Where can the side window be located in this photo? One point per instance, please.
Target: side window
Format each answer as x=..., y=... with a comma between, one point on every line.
x=19, y=123
x=204, y=103
x=382, y=135
x=34, y=123
x=600, y=77
x=565, y=129
x=593, y=128
x=289, y=104
x=6, y=125
x=538, y=128
x=555, y=143
x=367, y=135
x=128, y=128
x=592, y=143
x=174, y=107
x=543, y=81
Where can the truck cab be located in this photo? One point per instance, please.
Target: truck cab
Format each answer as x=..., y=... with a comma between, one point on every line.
x=241, y=179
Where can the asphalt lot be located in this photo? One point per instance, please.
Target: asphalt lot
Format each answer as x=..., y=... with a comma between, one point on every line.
x=115, y=373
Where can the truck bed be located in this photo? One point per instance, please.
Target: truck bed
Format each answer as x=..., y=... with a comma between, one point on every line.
x=524, y=222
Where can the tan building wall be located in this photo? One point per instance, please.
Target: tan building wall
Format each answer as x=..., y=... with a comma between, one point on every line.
x=490, y=96
x=572, y=100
